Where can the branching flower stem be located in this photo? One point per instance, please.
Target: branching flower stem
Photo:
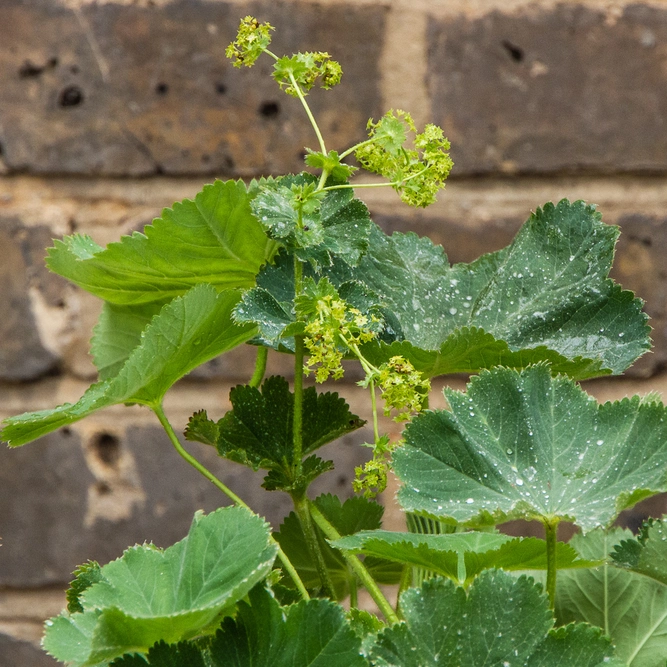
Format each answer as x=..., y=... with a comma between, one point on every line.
x=166, y=425
x=357, y=566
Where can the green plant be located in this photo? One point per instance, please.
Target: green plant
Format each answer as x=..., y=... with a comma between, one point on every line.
x=295, y=265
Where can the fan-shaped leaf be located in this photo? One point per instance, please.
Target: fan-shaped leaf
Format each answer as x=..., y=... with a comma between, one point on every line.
x=647, y=554
x=502, y=621
x=213, y=239
x=526, y=445
x=187, y=332
x=150, y=595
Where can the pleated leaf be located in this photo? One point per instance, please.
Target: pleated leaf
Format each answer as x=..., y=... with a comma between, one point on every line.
x=213, y=239
x=186, y=333
x=526, y=445
x=150, y=595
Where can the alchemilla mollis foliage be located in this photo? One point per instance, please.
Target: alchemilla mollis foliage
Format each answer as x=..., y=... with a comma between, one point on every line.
x=294, y=265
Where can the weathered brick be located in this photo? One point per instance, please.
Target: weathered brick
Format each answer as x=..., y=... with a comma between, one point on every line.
x=116, y=88
x=22, y=355
x=17, y=653
x=562, y=88
x=63, y=503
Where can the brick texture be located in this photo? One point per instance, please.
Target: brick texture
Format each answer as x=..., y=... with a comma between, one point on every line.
x=129, y=90
x=546, y=90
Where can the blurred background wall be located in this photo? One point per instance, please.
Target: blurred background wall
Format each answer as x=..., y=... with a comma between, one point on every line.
x=112, y=110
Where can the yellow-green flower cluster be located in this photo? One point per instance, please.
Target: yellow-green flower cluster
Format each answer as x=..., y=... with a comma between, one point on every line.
x=335, y=328
x=251, y=41
x=306, y=68
x=371, y=478
x=403, y=387
x=418, y=173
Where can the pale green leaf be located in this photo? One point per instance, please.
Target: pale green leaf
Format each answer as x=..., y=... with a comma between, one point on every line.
x=187, y=332
x=212, y=239
x=502, y=621
x=526, y=445
x=460, y=556
x=150, y=595
x=629, y=607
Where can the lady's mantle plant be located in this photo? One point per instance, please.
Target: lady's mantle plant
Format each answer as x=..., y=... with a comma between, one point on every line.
x=295, y=265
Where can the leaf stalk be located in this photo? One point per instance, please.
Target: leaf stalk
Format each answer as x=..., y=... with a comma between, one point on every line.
x=551, y=529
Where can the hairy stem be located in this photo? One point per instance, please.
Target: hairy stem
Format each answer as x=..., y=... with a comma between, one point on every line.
x=303, y=511
x=166, y=425
x=551, y=528
x=374, y=407
x=357, y=566
x=260, y=367
x=309, y=113
x=297, y=421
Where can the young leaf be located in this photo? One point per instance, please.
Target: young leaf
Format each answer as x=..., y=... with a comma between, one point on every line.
x=315, y=226
x=647, y=554
x=258, y=431
x=631, y=608
x=460, y=556
x=353, y=515
x=212, y=239
x=183, y=654
x=84, y=576
x=526, y=445
x=187, y=332
x=502, y=621
x=314, y=633
x=149, y=595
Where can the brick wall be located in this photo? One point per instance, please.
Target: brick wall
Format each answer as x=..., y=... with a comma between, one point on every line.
x=110, y=111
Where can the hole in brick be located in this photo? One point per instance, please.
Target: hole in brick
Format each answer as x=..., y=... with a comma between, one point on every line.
x=220, y=88
x=74, y=69
x=102, y=488
x=229, y=162
x=205, y=158
x=162, y=88
x=29, y=70
x=60, y=303
x=106, y=447
x=269, y=109
x=2, y=149
x=66, y=431
x=342, y=480
x=71, y=96
x=515, y=52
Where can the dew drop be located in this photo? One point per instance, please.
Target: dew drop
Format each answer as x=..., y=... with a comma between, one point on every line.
x=453, y=311
x=600, y=442
x=519, y=481
x=470, y=501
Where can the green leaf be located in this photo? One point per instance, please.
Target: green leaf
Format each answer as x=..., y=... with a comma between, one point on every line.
x=258, y=431
x=187, y=332
x=647, y=554
x=329, y=224
x=331, y=162
x=502, y=621
x=630, y=607
x=183, y=654
x=314, y=633
x=353, y=515
x=526, y=445
x=548, y=289
x=212, y=239
x=150, y=595
x=460, y=556
x=84, y=576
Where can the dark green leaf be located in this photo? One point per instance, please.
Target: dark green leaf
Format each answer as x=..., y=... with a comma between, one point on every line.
x=150, y=595
x=353, y=515
x=314, y=633
x=526, y=445
x=502, y=621
x=214, y=239
x=84, y=576
x=460, y=556
x=187, y=332
x=202, y=429
x=183, y=654
x=631, y=608
x=258, y=431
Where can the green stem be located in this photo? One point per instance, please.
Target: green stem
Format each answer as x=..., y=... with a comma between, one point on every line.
x=354, y=598
x=344, y=154
x=166, y=425
x=403, y=585
x=303, y=511
x=260, y=367
x=551, y=528
x=376, y=430
x=392, y=184
x=357, y=566
x=297, y=420
x=309, y=113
